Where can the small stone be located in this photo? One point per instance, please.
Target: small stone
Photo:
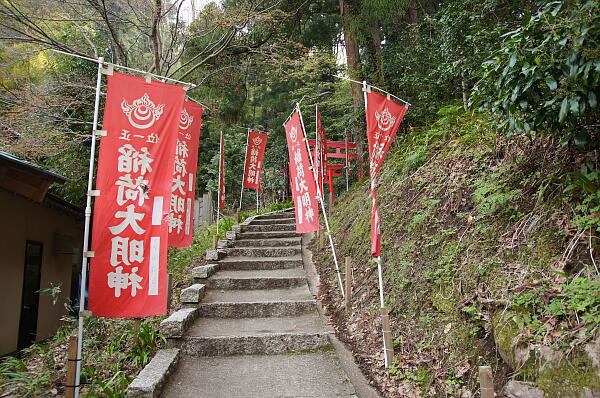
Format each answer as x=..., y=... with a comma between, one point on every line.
x=222, y=244
x=176, y=324
x=192, y=294
x=204, y=271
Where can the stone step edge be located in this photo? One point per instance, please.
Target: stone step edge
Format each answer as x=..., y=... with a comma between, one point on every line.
x=229, y=283
x=151, y=380
x=267, y=343
x=255, y=309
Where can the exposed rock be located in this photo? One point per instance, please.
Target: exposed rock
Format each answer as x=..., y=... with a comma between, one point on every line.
x=519, y=389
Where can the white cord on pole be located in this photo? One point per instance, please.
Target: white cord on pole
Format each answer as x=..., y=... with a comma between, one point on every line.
x=86, y=230
x=337, y=268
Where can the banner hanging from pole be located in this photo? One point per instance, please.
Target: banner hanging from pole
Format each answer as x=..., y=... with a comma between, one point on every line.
x=222, y=173
x=131, y=214
x=255, y=153
x=320, y=153
x=384, y=116
x=302, y=180
x=181, y=208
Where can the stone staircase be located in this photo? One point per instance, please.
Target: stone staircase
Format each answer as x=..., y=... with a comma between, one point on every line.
x=249, y=326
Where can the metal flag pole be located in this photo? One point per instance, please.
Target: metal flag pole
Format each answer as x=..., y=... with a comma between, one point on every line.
x=257, y=200
x=219, y=185
x=386, y=332
x=318, y=165
x=337, y=268
x=347, y=160
x=86, y=230
x=243, y=170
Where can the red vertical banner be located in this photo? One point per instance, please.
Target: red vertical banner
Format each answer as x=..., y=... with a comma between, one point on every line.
x=320, y=154
x=384, y=116
x=222, y=173
x=183, y=190
x=255, y=154
x=130, y=226
x=304, y=188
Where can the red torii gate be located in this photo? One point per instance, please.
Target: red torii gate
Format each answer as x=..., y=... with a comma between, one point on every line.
x=342, y=149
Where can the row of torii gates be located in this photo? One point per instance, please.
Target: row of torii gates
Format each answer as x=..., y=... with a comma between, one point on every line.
x=341, y=151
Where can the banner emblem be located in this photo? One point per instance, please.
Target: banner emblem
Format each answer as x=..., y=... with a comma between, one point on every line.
x=142, y=113
x=185, y=120
x=385, y=120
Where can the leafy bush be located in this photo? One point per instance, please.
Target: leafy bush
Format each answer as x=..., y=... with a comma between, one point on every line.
x=545, y=75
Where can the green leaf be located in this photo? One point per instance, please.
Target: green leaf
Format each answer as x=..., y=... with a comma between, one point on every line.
x=551, y=82
x=564, y=106
x=580, y=139
x=574, y=105
x=592, y=99
x=513, y=60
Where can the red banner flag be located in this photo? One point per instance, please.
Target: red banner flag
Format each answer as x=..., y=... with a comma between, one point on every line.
x=128, y=274
x=254, y=159
x=181, y=221
x=321, y=154
x=304, y=188
x=222, y=173
x=383, y=119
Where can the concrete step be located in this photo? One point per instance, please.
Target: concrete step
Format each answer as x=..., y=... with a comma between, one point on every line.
x=256, y=309
x=258, y=263
x=280, y=215
x=257, y=279
x=267, y=343
x=269, y=221
x=272, y=242
x=254, y=295
x=304, y=323
x=269, y=235
x=264, y=251
x=269, y=228
x=300, y=375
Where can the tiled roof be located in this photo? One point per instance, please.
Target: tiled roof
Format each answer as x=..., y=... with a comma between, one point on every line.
x=23, y=164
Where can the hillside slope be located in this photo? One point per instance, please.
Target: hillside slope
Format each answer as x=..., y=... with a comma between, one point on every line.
x=490, y=258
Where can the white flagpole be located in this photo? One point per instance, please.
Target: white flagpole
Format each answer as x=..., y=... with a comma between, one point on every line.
x=86, y=230
x=318, y=165
x=347, y=160
x=378, y=258
x=257, y=200
x=337, y=268
x=243, y=171
x=219, y=185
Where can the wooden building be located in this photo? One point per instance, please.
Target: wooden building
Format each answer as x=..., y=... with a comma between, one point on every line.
x=40, y=248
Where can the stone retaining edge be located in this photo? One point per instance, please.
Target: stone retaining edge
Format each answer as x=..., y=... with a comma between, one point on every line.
x=150, y=381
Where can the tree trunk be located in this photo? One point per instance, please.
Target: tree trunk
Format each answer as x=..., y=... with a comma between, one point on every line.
x=353, y=61
x=155, y=35
x=376, y=42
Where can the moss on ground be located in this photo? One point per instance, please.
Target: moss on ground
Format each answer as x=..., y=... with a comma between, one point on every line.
x=466, y=228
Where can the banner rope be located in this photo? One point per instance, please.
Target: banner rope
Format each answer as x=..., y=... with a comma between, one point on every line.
x=376, y=88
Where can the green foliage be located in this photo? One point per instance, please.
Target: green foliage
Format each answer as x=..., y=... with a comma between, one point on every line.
x=545, y=75
x=579, y=297
x=494, y=195
x=583, y=188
